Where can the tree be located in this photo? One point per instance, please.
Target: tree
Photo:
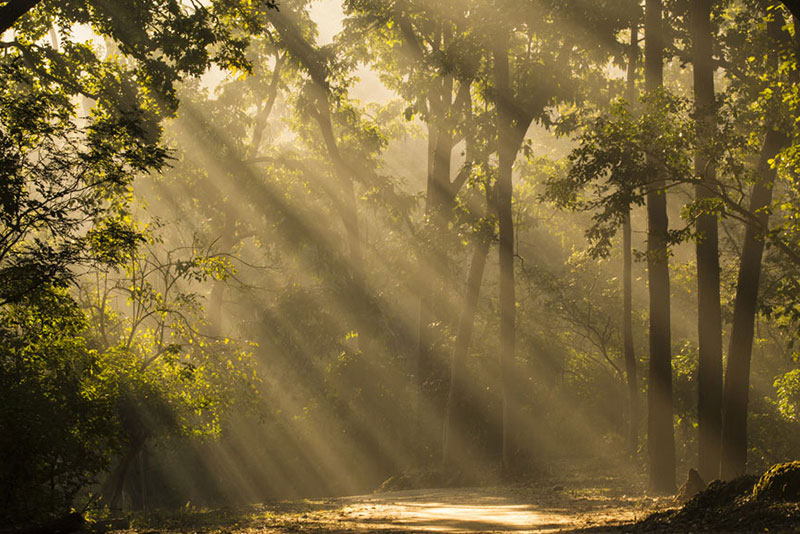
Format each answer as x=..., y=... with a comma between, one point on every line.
x=64, y=184
x=618, y=145
x=429, y=56
x=95, y=158
x=737, y=373
x=510, y=134
x=319, y=96
x=169, y=377
x=660, y=433
x=627, y=281
x=543, y=78
x=709, y=314
x=455, y=449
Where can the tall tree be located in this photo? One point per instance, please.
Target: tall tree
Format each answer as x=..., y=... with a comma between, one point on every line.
x=660, y=432
x=455, y=449
x=426, y=55
x=709, y=315
x=320, y=95
x=737, y=373
x=627, y=277
x=507, y=152
x=621, y=174
x=536, y=66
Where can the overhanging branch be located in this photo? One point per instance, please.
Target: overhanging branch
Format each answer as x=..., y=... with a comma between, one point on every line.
x=13, y=10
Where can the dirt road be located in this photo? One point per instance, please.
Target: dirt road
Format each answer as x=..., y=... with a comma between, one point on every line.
x=519, y=510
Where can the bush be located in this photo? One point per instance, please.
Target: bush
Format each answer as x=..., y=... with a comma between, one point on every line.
x=781, y=482
x=57, y=418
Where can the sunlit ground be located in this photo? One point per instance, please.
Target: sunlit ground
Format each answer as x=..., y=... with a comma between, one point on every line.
x=497, y=510
x=519, y=509
x=457, y=511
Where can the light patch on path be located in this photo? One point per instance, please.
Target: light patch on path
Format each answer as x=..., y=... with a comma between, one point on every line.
x=483, y=510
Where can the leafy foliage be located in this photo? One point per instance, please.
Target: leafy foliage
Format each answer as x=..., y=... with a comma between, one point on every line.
x=619, y=152
x=57, y=415
x=78, y=122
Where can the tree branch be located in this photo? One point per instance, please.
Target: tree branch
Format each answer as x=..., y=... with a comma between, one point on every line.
x=13, y=11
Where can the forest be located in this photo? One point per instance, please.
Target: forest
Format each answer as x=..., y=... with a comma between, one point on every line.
x=260, y=256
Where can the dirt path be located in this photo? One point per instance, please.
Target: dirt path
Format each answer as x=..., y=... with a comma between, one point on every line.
x=519, y=510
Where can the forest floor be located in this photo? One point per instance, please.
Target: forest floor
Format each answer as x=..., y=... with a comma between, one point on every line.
x=517, y=509
x=577, y=504
x=574, y=500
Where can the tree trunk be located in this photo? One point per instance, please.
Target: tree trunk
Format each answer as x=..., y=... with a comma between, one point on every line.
x=709, y=315
x=425, y=314
x=660, y=431
x=344, y=198
x=112, y=487
x=507, y=150
x=438, y=195
x=737, y=375
x=627, y=285
x=458, y=413
x=438, y=203
x=627, y=333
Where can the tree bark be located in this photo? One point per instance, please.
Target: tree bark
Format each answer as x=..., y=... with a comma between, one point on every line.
x=458, y=413
x=627, y=334
x=438, y=203
x=627, y=285
x=112, y=487
x=660, y=431
x=737, y=374
x=425, y=315
x=343, y=197
x=507, y=150
x=709, y=315
x=438, y=197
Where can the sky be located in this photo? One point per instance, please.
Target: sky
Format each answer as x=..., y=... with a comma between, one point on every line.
x=328, y=15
